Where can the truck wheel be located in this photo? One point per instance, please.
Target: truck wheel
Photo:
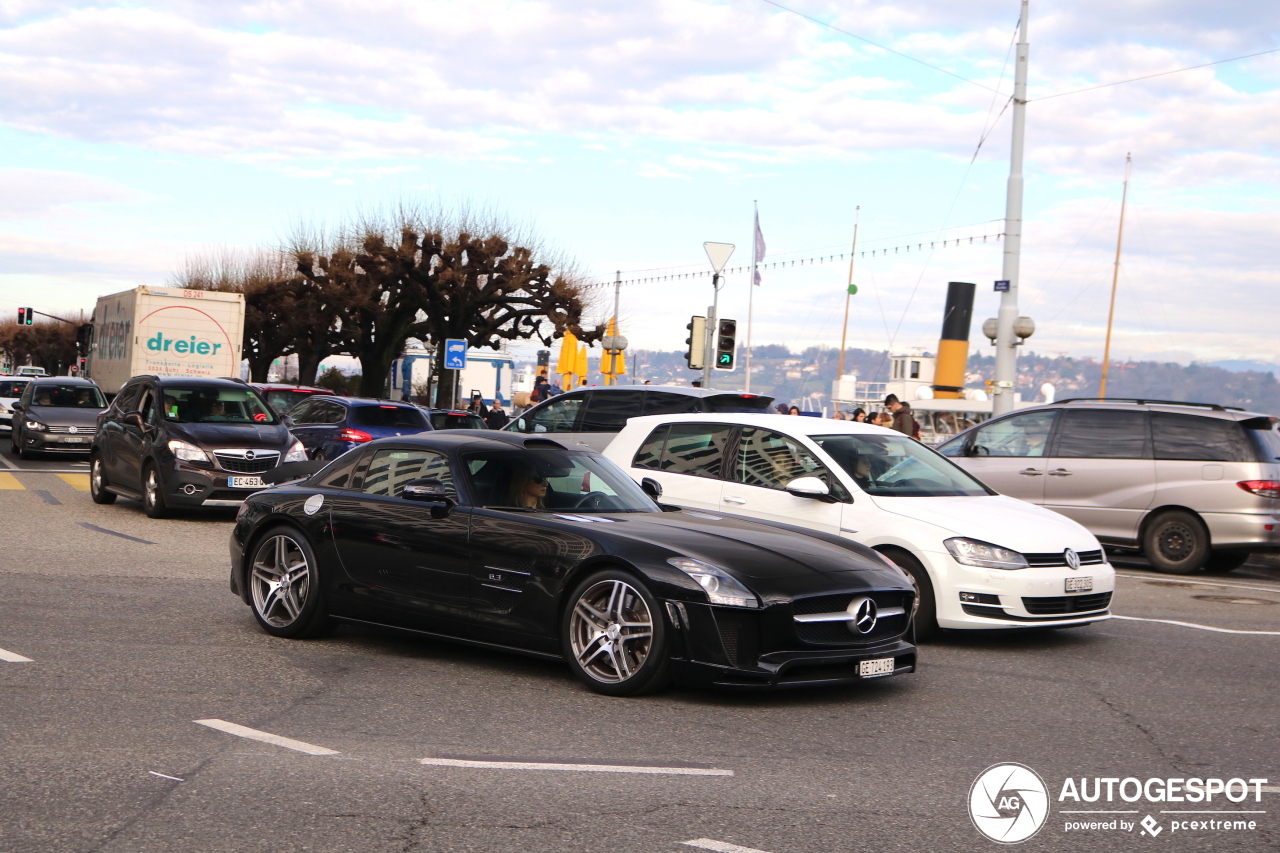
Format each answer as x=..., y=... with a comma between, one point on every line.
x=98, y=482
x=1176, y=543
x=153, y=493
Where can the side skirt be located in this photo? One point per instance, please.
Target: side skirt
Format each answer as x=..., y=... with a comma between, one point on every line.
x=451, y=638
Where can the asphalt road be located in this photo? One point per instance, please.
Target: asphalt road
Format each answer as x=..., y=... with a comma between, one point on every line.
x=132, y=636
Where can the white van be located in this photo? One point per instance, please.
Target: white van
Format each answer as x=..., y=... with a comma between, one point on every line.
x=978, y=559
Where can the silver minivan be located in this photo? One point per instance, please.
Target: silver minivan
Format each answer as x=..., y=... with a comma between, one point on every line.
x=1194, y=486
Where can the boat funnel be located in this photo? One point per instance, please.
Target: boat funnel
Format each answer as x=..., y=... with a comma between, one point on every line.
x=953, y=348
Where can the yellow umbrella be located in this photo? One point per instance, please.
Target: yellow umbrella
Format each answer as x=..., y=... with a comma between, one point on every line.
x=583, y=366
x=568, y=358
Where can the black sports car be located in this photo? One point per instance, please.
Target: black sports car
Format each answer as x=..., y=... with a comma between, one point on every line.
x=515, y=542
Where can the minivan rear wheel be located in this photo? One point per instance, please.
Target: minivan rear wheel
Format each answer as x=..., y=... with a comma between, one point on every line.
x=1176, y=543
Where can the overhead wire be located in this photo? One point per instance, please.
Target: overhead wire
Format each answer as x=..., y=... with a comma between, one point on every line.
x=1150, y=76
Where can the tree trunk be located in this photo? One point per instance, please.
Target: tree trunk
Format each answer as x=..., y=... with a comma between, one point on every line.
x=309, y=364
x=374, y=368
x=447, y=388
x=259, y=367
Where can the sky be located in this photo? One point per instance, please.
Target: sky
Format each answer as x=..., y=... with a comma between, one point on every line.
x=136, y=135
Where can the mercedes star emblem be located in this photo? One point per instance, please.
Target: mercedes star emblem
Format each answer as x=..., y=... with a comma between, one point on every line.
x=863, y=611
x=1073, y=559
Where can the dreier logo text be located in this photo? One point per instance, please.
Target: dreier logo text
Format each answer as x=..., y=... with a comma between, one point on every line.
x=182, y=346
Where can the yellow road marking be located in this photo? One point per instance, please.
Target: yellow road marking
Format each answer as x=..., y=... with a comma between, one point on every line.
x=79, y=482
x=8, y=481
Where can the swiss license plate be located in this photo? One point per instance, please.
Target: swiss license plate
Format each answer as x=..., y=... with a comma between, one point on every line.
x=247, y=483
x=1079, y=584
x=872, y=668
x=73, y=439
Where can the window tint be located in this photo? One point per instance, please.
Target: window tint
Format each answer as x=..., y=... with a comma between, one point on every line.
x=284, y=401
x=546, y=480
x=696, y=449
x=607, y=411
x=387, y=417
x=147, y=405
x=338, y=475
x=390, y=469
x=206, y=404
x=666, y=403
x=1103, y=434
x=301, y=413
x=454, y=420
x=1021, y=435
x=330, y=412
x=1266, y=440
x=436, y=467
x=650, y=453
x=1191, y=437
x=9, y=388
x=725, y=403
x=127, y=399
x=897, y=466
x=769, y=459
x=560, y=415
x=67, y=396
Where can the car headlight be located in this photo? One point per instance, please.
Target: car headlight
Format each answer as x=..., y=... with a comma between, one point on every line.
x=971, y=552
x=36, y=425
x=4, y=409
x=297, y=453
x=720, y=586
x=188, y=452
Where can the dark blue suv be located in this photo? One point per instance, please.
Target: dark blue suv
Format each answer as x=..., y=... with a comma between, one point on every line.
x=330, y=426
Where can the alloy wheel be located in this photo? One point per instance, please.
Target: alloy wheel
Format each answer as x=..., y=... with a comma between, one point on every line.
x=152, y=487
x=611, y=631
x=95, y=474
x=280, y=580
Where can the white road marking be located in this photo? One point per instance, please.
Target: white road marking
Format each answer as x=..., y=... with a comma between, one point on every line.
x=720, y=846
x=11, y=657
x=1175, y=581
x=266, y=737
x=1271, y=789
x=166, y=776
x=1194, y=625
x=581, y=768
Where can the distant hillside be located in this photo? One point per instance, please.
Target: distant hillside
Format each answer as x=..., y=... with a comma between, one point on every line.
x=1240, y=366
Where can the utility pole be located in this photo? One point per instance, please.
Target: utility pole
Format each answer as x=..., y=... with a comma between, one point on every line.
x=1006, y=341
x=718, y=254
x=848, y=293
x=1115, y=278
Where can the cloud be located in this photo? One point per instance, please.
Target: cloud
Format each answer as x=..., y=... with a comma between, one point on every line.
x=38, y=194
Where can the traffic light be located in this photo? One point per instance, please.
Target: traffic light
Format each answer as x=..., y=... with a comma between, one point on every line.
x=696, y=342
x=726, y=344
x=26, y=316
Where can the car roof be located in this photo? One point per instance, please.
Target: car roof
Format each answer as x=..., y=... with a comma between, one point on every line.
x=1206, y=410
x=363, y=401
x=279, y=386
x=62, y=380
x=781, y=423
x=481, y=439
x=686, y=390
x=212, y=381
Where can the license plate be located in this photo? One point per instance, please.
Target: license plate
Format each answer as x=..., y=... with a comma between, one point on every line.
x=73, y=439
x=1079, y=584
x=872, y=668
x=247, y=483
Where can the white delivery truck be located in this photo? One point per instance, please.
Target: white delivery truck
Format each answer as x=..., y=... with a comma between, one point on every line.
x=165, y=331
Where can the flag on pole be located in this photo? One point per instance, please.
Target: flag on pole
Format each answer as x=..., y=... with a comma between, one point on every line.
x=759, y=248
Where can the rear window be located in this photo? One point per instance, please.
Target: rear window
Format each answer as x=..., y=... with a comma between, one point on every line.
x=1262, y=433
x=283, y=401
x=1198, y=438
x=737, y=403
x=9, y=388
x=390, y=417
x=457, y=420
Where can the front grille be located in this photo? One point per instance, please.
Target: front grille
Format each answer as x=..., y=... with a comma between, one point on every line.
x=1056, y=558
x=839, y=633
x=66, y=430
x=235, y=461
x=740, y=634
x=1053, y=605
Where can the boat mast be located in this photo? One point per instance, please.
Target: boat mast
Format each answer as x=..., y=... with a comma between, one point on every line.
x=1115, y=278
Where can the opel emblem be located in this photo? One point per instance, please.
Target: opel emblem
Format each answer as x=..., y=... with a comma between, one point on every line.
x=249, y=454
x=73, y=430
x=863, y=611
x=1072, y=558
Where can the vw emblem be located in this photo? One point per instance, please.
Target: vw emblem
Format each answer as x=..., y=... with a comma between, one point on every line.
x=863, y=611
x=249, y=454
x=1072, y=558
x=73, y=430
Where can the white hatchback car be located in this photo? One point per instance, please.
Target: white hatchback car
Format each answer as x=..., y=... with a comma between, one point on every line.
x=11, y=388
x=978, y=559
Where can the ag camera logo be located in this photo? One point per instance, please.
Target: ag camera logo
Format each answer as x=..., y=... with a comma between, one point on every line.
x=1008, y=803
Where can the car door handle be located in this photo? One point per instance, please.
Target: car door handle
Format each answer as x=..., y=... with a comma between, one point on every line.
x=1060, y=472
x=731, y=500
x=1031, y=472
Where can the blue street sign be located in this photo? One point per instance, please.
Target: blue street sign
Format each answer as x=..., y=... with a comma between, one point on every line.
x=1002, y=286
x=455, y=354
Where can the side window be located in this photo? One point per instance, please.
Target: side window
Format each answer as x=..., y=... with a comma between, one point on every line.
x=608, y=411
x=1202, y=439
x=769, y=459
x=696, y=449
x=302, y=413
x=650, y=453
x=1020, y=435
x=1103, y=434
x=147, y=405
x=436, y=467
x=666, y=403
x=329, y=412
x=391, y=468
x=127, y=399
x=341, y=473
x=560, y=415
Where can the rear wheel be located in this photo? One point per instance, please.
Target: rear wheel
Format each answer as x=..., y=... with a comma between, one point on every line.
x=926, y=612
x=98, y=482
x=1176, y=543
x=1221, y=562
x=284, y=586
x=614, y=637
x=153, y=503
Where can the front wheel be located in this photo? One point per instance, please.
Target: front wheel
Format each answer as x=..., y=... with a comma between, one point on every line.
x=285, y=587
x=614, y=636
x=153, y=502
x=1176, y=543
x=98, y=482
x=20, y=446
x=926, y=609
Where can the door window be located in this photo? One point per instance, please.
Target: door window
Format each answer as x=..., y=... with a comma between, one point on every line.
x=696, y=449
x=1103, y=434
x=607, y=411
x=666, y=403
x=650, y=453
x=560, y=415
x=391, y=468
x=127, y=399
x=303, y=412
x=1020, y=435
x=330, y=413
x=1202, y=439
x=771, y=460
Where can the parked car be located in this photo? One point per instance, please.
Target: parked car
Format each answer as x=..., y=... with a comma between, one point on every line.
x=330, y=426
x=591, y=417
x=281, y=398
x=10, y=392
x=520, y=543
x=30, y=370
x=179, y=442
x=55, y=415
x=979, y=560
x=1194, y=486
x=455, y=419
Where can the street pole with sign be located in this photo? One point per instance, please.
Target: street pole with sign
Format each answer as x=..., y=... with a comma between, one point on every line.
x=718, y=254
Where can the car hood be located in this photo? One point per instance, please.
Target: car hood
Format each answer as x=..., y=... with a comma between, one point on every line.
x=274, y=436
x=998, y=519
x=64, y=416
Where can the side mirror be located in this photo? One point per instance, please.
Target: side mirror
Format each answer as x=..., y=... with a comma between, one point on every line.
x=521, y=426
x=808, y=487
x=288, y=421
x=651, y=487
x=429, y=491
x=17, y=407
x=134, y=419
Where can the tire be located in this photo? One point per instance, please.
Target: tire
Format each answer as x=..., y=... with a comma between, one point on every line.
x=19, y=446
x=153, y=503
x=98, y=482
x=926, y=610
x=1176, y=543
x=284, y=586
x=1221, y=562
x=602, y=609
x=318, y=456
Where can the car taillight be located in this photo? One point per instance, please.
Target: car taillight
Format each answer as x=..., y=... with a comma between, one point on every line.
x=1262, y=488
x=354, y=435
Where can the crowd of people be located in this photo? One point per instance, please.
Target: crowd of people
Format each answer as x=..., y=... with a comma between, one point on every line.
x=895, y=415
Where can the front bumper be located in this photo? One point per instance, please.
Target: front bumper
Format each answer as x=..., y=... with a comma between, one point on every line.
x=190, y=487
x=45, y=442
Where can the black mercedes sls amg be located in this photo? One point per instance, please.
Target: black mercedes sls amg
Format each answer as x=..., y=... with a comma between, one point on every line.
x=517, y=542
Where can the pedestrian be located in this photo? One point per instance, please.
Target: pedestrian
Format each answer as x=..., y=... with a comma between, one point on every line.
x=647, y=382
x=794, y=410
x=477, y=406
x=859, y=415
x=497, y=418
x=556, y=390
x=541, y=390
x=782, y=408
x=902, y=419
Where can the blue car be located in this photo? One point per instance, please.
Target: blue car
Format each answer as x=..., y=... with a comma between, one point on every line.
x=330, y=426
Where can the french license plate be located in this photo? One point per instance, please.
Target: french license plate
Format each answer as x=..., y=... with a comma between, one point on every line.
x=247, y=483
x=1079, y=584
x=73, y=439
x=872, y=668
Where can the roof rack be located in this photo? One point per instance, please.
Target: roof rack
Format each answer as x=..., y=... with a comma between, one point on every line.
x=1143, y=402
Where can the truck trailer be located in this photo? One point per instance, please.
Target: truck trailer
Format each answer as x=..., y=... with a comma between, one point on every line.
x=165, y=331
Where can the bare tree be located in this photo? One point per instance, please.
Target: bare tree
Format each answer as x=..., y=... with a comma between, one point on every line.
x=47, y=344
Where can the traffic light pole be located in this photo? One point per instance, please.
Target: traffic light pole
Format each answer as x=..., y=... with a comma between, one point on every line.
x=709, y=339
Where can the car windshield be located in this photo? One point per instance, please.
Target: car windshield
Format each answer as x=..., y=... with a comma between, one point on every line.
x=283, y=401
x=67, y=396
x=388, y=417
x=897, y=466
x=212, y=404
x=551, y=480
x=9, y=388
x=457, y=420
